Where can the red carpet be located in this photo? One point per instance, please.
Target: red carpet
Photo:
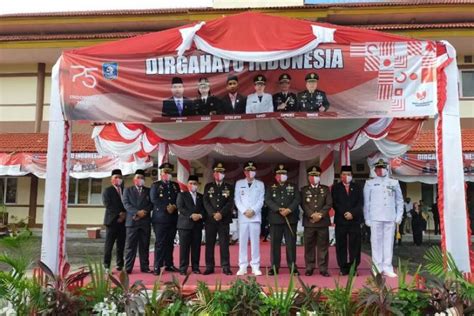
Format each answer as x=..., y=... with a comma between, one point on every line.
x=283, y=278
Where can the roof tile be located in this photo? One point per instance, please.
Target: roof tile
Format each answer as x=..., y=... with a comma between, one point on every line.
x=38, y=143
x=425, y=143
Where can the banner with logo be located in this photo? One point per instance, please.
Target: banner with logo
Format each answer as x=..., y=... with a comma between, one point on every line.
x=83, y=165
x=198, y=73
x=425, y=164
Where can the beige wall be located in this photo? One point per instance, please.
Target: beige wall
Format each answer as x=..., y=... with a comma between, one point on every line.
x=414, y=191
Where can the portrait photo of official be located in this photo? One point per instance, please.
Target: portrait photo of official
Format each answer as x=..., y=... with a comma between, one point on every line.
x=206, y=103
x=284, y=101
x=312, y=99
x=259, y=102
x=177, y=104
x=233, y=102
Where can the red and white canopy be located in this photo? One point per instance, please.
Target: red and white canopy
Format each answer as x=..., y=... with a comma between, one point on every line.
x=370, y=78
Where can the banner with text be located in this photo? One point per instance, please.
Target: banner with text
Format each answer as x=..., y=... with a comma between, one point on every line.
x=368, y=80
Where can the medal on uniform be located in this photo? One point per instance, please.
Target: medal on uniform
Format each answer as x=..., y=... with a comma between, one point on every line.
x=161, y=194
x=308, y=199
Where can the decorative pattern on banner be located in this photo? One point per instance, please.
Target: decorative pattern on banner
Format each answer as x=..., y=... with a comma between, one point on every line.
x=425, y=164
x=406, y=72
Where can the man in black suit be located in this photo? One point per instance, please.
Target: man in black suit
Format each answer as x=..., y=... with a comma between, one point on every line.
x=218, y=203
x=190, y=223
x=233, y=102
x=136, y=200
x=114, y=220
x=163, y=195
x=285, y=101
x=178, y=105
x=348, y=203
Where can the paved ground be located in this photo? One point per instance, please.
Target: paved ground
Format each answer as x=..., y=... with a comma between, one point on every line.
x=81, y=250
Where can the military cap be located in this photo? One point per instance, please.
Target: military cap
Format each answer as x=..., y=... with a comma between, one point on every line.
x=193, y=178
x=259, y=79
x=346, y=169
x=116, y=171
x=250, y=166
x=140, y=171
x=284, y=78
x=381, y=163
x=203, y=82
x=281, y=169
x=166, y=166
x=219, y=167
x=232, y=78
x=312, y=76
x=176, y=80
x=314, y=171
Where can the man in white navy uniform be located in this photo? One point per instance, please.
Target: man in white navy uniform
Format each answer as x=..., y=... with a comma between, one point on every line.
x=249, y=198
x=259, y=102
x=383, y=210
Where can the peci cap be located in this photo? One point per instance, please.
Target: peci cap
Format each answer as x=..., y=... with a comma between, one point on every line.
x=116, y=172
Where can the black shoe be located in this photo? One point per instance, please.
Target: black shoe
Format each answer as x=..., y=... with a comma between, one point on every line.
x=172, y=269
x=157, y=271
x=343, y=273
x=119, y=268
x=129, y=271
x=146, y=271
x=208, y=271
x=227, y=271
x=325, y=274
x=308, y=272
x=296, y=272
x=196, y=271
x=273, y=272
x=182, y=272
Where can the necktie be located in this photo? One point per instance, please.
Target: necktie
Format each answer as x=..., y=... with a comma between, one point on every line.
x=119, y=190
x=139, y=190
x=250, y=183
x=179, y=103
x=260, y=98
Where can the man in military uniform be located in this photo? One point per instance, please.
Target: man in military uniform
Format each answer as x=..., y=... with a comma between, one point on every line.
x=383, y=209
x=218, y=203
x=233, y=102
x=284, y=101
x=316, y=202
x=163, y=195
x=283, y=200
x=312, y=100
x=348, y=201
x=259, y=102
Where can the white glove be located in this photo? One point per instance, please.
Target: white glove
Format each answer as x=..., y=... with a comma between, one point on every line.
x=367, y=223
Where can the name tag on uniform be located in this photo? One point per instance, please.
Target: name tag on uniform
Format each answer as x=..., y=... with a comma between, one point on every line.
x=376, y=184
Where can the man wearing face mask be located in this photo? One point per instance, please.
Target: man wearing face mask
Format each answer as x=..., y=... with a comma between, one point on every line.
x=218, y=203
x=383, y=209
x=316, y=202
x=249, y=198
x=348, y=203
x=114, y=220
x=163, y=195
x=283, y=200
x=190, y=222
x=136, y=200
